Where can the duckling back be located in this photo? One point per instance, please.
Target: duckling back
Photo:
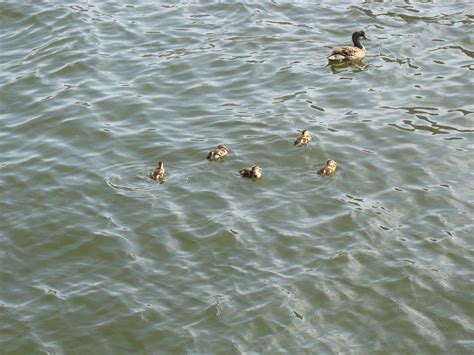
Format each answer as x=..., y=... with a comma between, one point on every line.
x=302, y=139
x=219, y=152
x=251, y=172
x=159, y=172
x=328, y=169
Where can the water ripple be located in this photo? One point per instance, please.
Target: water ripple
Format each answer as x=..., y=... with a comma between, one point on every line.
x=99, y=257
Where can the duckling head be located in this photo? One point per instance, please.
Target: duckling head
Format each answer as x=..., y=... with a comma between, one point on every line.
x=221, y=146
x=331, y=163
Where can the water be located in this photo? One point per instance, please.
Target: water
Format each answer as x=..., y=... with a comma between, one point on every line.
x=98, y=258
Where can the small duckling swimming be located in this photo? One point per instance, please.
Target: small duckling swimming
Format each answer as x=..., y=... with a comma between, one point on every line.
x=159, y=172
x=254, y=172
x=303, y=138
x=347, y=53
x=329, y=169
x=219, y=152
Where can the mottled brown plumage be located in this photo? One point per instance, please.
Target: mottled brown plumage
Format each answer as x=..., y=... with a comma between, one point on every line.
x=348, y=53
x=251, y=172
x=303, y=138
x=328, y=169
x=159, y=172
x=219, y=152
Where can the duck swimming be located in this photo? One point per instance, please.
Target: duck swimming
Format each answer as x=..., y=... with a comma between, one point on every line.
x=219, y=152
x=329, y=169
x=303, y=138
x=159, y=172
x=254, y=172
x=347, y=53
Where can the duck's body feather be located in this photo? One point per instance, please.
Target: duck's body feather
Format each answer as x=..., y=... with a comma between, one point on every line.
x=346, y=53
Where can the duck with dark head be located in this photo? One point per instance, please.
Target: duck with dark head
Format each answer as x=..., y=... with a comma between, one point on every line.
x=348, y=53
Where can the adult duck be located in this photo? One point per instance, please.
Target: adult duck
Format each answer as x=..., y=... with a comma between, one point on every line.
x=348, y=53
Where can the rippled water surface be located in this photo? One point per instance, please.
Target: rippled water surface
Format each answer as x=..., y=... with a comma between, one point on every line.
x=98, y=258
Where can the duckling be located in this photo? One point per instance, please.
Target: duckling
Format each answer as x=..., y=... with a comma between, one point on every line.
x=346, y=53
x=252, y=172
x=159, y=172
x=328, y=169
x=303, y=138
x=219, y=152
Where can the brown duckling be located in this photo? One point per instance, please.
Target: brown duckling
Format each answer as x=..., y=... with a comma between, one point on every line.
x=254, y=172
x=219, y=152
x=303, y=138
x=328, y=169
x=347, y=53
x=159, y=172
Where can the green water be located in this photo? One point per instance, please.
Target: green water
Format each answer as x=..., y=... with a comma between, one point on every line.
x=99, y=259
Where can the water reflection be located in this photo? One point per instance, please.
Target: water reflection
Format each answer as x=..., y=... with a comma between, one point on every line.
x=426, y=114
x=344, y=67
